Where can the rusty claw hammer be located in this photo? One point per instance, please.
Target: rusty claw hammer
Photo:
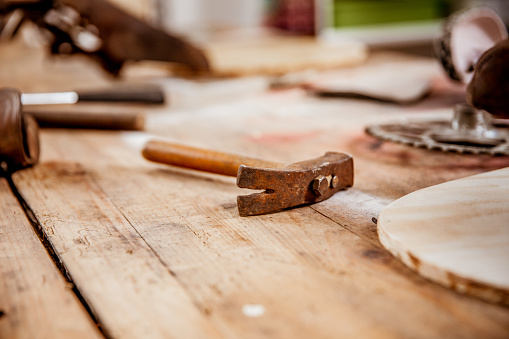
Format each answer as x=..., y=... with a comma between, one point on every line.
x=296, y=184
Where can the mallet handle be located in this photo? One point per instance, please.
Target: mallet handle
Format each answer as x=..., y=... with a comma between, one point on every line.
x=200, y=159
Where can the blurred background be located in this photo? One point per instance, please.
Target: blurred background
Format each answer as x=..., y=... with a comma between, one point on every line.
x=388, y=23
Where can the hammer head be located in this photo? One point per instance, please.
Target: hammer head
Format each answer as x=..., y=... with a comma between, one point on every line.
x=297, y=184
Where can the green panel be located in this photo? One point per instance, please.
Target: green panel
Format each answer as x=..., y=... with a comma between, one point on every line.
x=371, y=12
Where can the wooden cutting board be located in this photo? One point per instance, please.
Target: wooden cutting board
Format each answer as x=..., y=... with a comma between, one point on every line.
x=455, y=233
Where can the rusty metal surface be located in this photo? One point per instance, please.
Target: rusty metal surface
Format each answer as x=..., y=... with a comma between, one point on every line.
x=297, y=184
x=19, y=139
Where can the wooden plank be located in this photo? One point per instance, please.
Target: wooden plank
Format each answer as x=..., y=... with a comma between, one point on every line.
x=455, y=233
x=300, y=267
x=131, y=293
x=298, y=274
x=35, y=300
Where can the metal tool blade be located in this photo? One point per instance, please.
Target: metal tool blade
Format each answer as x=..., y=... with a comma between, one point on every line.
x=467, y=132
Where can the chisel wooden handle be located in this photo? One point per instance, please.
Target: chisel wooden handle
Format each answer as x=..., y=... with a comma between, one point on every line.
x=105, y=120
x=200, y=159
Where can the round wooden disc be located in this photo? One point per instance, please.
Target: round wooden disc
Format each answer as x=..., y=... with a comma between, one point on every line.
x=456, y=234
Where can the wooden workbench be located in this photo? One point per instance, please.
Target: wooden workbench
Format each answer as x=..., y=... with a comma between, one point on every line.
x=95, y=241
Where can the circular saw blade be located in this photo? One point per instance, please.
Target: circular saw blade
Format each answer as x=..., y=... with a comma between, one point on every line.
x=438, y=135
x=465, y=36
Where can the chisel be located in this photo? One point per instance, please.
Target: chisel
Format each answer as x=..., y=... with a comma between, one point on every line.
x=143, y=95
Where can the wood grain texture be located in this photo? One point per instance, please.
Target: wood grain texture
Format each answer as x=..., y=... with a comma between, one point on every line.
x=200, y=159
x=35, y=300
x=312, y=272
x=130, y=291
x=456, y=233
x=303, y=268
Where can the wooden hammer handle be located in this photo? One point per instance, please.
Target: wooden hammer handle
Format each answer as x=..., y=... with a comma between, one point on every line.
x=200, y=159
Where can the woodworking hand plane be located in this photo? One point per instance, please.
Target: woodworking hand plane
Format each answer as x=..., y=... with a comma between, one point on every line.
x=99, y=30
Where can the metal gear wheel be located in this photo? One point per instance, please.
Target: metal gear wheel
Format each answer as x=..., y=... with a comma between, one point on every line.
x=470, y=131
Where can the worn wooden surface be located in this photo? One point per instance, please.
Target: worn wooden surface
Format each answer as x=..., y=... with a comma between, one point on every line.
x=157, y=251
x=455, y=233
x=35, y=300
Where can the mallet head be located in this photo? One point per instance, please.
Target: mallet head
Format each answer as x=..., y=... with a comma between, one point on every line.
x=19, y=141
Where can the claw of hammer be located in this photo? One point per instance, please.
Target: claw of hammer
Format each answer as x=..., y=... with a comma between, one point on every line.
x=297, y=184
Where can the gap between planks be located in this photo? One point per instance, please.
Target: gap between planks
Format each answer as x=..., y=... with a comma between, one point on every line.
x=35, y=300
x=41, y=235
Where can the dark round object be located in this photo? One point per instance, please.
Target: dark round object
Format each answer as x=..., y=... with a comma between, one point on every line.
x=19, y=138
x=489, y=87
